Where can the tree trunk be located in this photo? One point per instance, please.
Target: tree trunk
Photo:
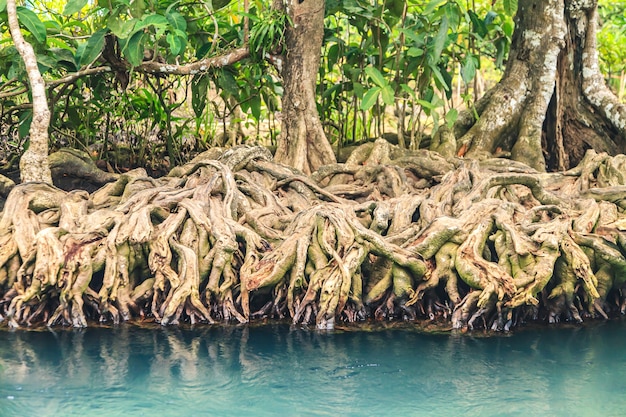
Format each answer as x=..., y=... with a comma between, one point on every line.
x=34, y=162
x=302, y=143
x=552, y=103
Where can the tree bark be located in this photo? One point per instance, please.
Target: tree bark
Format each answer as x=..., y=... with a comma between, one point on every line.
x=34, y=162
x=587, y=114
x=302, y=143
x=552, y=103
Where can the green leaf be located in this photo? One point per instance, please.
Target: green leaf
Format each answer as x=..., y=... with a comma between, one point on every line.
x=334, y=89
x=358, y=89
x=16, y=69
x=52, y=27
x=176, y=43
x=441, y=81
x=74, y=25
x=74, y=6
x=29, y=19
x=432, y=5
x=501, y=45
x=370, y=98
x=376, y=76
x=73, y=119
x=176, y=20
x=510, y=7
x=93, y=47
x=199, y=88
x=133, y=48
x=120, y=27
x=45, y=62
x=155, y=20
x=64, y=57
x=255, y=106
x=426, y=104
x=451, y=117
x=396, y=7
x=412, y=36
x=435, y=116
x=226, y=81
x=490, y=17
x=468, y=70
x=3, y=5
x=414, y=52
x=245, y=105
x=388, y=95
x=180, y=34
x=479, y=27
x=507, y=28
x=410, y=92
x=137, y=8
x=218, y=4
x=448, y=80
x=159, y=22
x=440, y=40
x=428, y=94
x=454, y=15
x=332, y=56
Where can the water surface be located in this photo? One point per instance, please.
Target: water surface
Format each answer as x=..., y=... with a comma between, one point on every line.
x=275, y=370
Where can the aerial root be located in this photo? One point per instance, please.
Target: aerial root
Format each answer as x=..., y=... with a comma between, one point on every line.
x=240, y=238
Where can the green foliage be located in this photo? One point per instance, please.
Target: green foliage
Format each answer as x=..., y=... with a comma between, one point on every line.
x=394, y=65
x=74, y=6
x=377, y=55
x=199, y=89
x=31, y=22
x=611, y=41
x=510, y=7
x=96, y=112
x=87, y=52
x=410, y=55
x=267, y=33
x=133, y=47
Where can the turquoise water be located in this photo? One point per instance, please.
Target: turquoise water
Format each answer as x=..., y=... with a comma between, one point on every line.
x=275, y=370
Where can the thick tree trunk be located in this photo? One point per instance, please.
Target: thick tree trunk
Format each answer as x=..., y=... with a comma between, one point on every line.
x=584, y=113
x=302, y=143
x=552, y=103
x=34, y=162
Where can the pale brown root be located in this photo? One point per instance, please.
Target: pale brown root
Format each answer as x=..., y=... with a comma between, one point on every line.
x=240, y=238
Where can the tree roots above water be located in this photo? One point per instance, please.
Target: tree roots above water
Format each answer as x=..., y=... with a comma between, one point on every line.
x=232, y=236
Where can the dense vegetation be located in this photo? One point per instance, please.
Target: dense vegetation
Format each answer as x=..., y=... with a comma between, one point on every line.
x=396, y=67
x=400, y=68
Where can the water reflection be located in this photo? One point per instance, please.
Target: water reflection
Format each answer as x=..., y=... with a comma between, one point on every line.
x=281, y=371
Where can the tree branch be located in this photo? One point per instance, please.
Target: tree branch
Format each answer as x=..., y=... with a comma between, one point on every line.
x=69, y=78
x=13, y=93
x=153, y=67
x=34, y=162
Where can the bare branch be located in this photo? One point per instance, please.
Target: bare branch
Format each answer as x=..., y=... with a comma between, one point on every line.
x=192, y=68
x=13, y=93
x=246, y=21
x=153, y=67
x=70, y=78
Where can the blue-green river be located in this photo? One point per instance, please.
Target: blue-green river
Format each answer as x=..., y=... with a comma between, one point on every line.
x=281, y=371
